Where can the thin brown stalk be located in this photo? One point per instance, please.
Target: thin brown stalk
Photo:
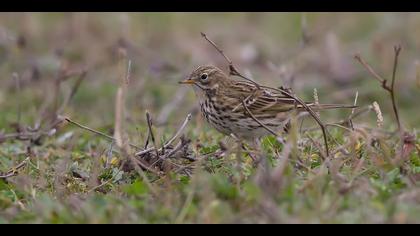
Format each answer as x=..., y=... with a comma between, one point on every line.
x=397, y=50
x=150, y=132
x=258, y=121
x=146, y=143
x=370, y=69
x=178, y=147
x=232, y=68
x=95, y=131
x=390, y=89
x=352, y=111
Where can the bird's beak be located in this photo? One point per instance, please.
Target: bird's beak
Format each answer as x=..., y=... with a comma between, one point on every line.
x=187, y=81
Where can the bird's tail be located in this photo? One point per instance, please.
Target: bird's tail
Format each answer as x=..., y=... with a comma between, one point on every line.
x=318, y=107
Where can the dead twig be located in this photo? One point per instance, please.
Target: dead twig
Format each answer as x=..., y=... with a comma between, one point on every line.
x=170, y=141
x=384, y=82
x=352, y=111
x=256, y=120
x=397, y=50
x=370, y=69
x=232, y=68
x=150, y=132
x=96, y=132
x=13, y=171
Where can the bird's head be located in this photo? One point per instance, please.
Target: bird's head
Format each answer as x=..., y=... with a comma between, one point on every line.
x=206, y=78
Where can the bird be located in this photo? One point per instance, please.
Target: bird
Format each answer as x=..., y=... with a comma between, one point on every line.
x=242, y=108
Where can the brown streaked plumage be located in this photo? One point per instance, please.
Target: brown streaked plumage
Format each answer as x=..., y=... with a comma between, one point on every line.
x=221, y=97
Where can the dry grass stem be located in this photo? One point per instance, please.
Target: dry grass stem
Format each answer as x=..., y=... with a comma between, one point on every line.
x=379, y=117
x=96, y=132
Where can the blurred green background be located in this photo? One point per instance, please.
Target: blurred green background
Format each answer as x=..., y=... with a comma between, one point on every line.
x=299, y=50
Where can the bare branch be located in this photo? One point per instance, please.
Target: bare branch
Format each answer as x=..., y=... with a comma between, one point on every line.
x=397, y=50
x=217, y=48
x=369, y=69
x=180, y=130
x=232, y=68
x=390, y=89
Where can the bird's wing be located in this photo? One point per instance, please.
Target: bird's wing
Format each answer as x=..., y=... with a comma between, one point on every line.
x=268, y=102
x=258, y=101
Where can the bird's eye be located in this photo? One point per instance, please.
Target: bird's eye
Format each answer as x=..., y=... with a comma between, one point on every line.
x=204, y=76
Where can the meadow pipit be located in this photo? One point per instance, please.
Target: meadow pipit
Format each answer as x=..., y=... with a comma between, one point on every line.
x=222, y=101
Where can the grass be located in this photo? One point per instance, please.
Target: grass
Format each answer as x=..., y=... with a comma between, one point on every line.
x=75, y=176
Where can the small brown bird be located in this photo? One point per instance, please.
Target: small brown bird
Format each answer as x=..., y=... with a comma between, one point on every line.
x=221, y=100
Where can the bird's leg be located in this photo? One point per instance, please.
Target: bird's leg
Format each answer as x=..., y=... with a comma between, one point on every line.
x=239, y=175
x=257, y=152
x=254, y=152
x=257, y=146
x=240, y=146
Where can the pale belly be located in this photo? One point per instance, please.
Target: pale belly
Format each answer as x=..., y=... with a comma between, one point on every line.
x=243, y=128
